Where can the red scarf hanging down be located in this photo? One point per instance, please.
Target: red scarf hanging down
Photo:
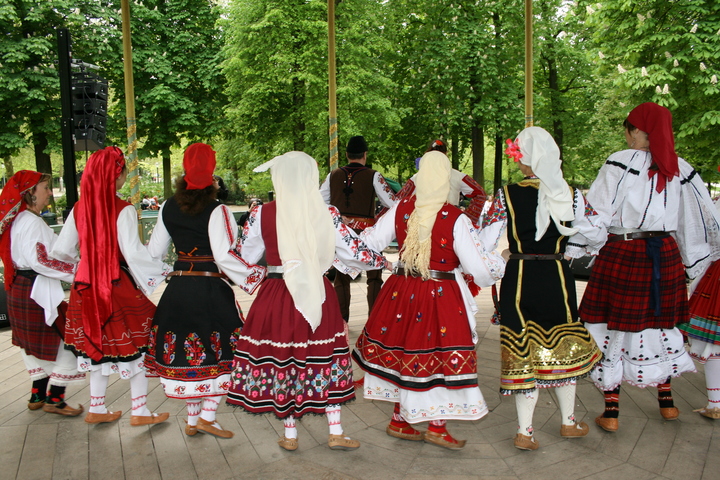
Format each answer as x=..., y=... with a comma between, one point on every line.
x=96, y=220
x=656, y=121
x=10, y=205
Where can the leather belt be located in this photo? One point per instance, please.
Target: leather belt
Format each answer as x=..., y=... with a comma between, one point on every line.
x=196, y=273
x=434, y=274
x=636, y=235
x=530, y=256
x=274, y=275
x=195, y=258
x=27, y=273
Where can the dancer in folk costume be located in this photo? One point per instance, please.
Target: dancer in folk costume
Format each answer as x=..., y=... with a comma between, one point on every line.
x=109, y=314
x=418, y=347
x=662, y=225
x=460, y=183
x=703, y=333
x=542, y=342
x=198, y=320
x=36, y=309
x=292, y=357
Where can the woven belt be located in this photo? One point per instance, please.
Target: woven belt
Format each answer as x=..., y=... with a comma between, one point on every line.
x=434, y=274
x=195, y=258
x=530, y=256
x=28, y=273
x=196, y=273
x=636, y=235
x=274, y=275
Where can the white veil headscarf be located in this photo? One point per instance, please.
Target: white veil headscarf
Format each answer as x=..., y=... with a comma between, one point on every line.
x=555, y=198
x=305, y=231
x=432, y=186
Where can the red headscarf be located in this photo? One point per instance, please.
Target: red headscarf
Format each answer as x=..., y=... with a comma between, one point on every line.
x=10, y=205
x=96, y=220
x=656, y=121
x=199, y=165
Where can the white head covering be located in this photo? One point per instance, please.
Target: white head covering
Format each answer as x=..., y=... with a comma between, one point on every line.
x=432, y=186
x=305, y=231
x=555, y=198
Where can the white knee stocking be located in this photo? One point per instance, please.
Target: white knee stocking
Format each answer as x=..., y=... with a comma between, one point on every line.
x=712, y=381
x=193, y=409
x=98, y=387
x=138, y=394
x=525, y=405
x=290, y=429
x=566, y=402
x=333, y=416
x=209, y=408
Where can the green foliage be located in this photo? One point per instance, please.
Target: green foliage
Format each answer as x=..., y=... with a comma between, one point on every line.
x=668, y=53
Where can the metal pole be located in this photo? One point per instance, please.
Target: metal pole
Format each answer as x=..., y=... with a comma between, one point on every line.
x=529, y=119
x=331, y=87
x=132, y=162
x=68, y=143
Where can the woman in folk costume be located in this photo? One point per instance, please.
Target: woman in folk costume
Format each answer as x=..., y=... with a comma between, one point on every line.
x=198, y=320
x=542, y=342
x=292, y=357
x=703, y=332
x=662, y=225
x=36, y=309
x=418, y=347
x=109, y=315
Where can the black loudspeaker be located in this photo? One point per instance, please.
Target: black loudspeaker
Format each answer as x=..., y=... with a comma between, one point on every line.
x=89, y=105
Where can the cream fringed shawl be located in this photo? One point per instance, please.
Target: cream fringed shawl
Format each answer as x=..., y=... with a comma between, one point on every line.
x=305, y=231
x=432, y=186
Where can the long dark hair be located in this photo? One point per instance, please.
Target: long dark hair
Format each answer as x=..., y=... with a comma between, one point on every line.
x=192, y=202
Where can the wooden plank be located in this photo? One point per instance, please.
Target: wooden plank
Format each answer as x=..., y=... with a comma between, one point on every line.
x=13, y=440
x=105, y=452
x=138, y=451
x=172, y=451
x=38, y=453
x=71, y=450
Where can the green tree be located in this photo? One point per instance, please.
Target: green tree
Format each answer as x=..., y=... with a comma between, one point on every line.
x=178, y=82
x=668, y=53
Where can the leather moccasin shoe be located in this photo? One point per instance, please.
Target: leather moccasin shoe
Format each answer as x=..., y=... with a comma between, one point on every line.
x=713, y=413
x=190, y=430
x=341, y=442
x=573, y=431
x=443, y=440
x=670, y=413
x=36, y=405
x=406, y=433
x=140, y=420
x=210, y=428
x=288, y=443
x=524, y=442
x=67, y=410
x=607, y=424
x=102, y=417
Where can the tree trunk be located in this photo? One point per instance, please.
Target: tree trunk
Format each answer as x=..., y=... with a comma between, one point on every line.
x=167, y=173
x=497, y=178
x=9, y=168
x=478, y=153
x=455, y=154
x=42, y=159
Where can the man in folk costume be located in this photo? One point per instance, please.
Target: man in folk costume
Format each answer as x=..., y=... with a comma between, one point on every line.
x=36, y=308
x=662, y=226
x=109, y=314
x=352, y=189
x=418, y=346
x=198, y=320
x=292, y=357
x=542, y=342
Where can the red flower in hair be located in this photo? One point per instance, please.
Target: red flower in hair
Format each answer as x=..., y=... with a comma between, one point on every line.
x=513, y=150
